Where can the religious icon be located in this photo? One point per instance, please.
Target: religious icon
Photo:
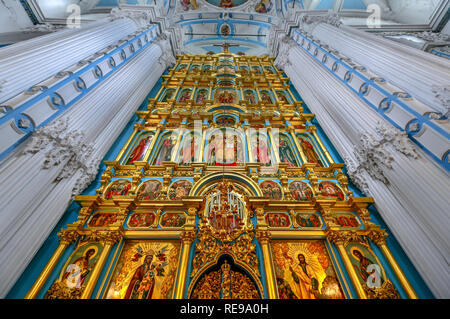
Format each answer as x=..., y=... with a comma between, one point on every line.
x=189, y=148
x=225, y=97
x=282, y=97
x=244, y=70
x=278, y=220
x=206, y=68
x=165, y=152
x=260, y=149
x=269, y=69
x=141, y=220
x=202, y=95
x=256, y=69
x=185, y=95
x=285, y=151
x=308, y=220
x=249, y=96
x=329, y=189
x=225, y=121
x=149, y=190
x=139, y=151
x=102, y=220
x=173, y=220
x=75, y=273
x=300, y=191
x=366, y=264
x=179, y=189
x=225, y=30
x=189, y=4
x=182, y=68
x=308, y=150
x=168, y=95
x=119, y=187
x=226, y=3
x=225, y=149
x=304, y=271
x=195, y=69
x=264, y=6
x=271, y=190
x=347, y=220
x=265, y=97
x=145, y=270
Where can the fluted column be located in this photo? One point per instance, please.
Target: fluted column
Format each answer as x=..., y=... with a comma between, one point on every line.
x=63, y=158
x=22, y=64
x=408, y=187
x=418, y=73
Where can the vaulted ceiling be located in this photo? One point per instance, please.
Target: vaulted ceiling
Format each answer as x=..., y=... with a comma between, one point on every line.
x=247, y=23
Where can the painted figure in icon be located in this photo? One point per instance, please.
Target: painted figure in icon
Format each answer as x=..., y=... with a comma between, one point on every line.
x=118, y=188
x=271, y=190
x=329, y=189
x=265, y=97
x=189, y=4
x=256, y=69
x=244, y=71
x=260, y=149
x=300, y=191
x=141, y=220
x=285, y=151
x=225, y=96
x=149, y=190
x=277, y=220
x=311, y=220
x=189, y=149
x=363, y=261
x=143, y=281
x=226, y=121
x=186, y=95
x=103, y=220
x=282, y=97
x=225, y=150
x=169, y=95
x=195, y=69
x=264, y=6
x=202, y=95
x=77, y=272
x=165, y=154
x=308, y=150
x=226, y=4
x=140, y=150
x=173, y=220
x=303, y=275
x=250, y=97
x=179, y=189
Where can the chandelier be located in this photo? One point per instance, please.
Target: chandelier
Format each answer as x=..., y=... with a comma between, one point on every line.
x=225, y=212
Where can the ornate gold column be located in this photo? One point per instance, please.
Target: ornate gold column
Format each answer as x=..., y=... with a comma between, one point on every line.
x=66, y=237
x=152, y=144
x=109, y=238
x=264, y=239
x=379, y=238
x=340, y=238
x=187, y=238
x=313, y=130
x=274, y=150
x=263, y=236
x=299, y=148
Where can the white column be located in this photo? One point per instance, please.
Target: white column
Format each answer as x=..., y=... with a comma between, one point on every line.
x=26, y=63
x=420, y=74
x=63, y=158
x=410, y=190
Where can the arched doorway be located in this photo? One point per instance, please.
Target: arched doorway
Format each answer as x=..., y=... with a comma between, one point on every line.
x=225, y=280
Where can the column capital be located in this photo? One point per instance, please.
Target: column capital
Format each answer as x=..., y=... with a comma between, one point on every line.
x=188, y=236
x=343, y=237
x=378, y=236
x=68, y=236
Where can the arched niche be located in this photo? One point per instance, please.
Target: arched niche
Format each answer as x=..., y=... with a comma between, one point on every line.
x=203, y=184
x=240, y=283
